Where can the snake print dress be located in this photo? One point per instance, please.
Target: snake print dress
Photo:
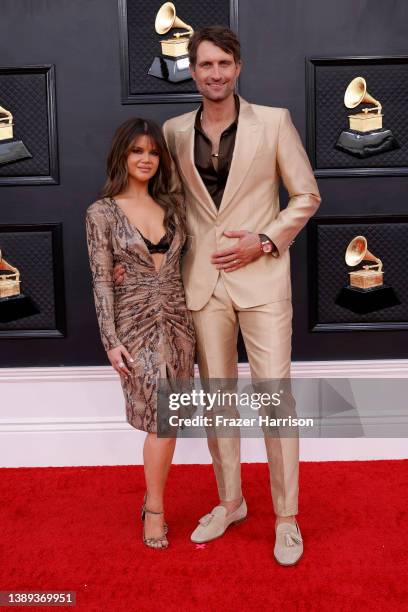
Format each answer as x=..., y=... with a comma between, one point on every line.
x=147, y=313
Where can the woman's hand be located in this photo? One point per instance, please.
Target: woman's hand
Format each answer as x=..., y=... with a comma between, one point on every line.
x=116, y=356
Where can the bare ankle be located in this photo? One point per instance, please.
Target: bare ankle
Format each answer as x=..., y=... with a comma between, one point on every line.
x=286, y=519
x=154, y=503
x=231, y=506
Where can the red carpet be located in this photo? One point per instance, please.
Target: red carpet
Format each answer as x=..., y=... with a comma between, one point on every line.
x=79, y=529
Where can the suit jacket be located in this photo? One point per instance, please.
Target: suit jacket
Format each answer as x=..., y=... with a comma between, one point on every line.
x=267, y=149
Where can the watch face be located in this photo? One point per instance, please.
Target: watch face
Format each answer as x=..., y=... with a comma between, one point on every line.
x=267, y=247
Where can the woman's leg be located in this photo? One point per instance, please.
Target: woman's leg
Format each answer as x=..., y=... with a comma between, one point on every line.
x=157, y=456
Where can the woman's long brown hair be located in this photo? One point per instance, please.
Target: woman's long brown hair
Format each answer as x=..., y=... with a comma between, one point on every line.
x=164, y=186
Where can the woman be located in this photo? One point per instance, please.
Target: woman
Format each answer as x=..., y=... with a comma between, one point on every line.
x=145, y=326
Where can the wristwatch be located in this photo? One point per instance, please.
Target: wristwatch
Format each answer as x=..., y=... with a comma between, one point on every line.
x=267, y=245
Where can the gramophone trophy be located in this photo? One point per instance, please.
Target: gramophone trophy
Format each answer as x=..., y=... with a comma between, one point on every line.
x=172, y=65
x=366, y=135
x=13, y=304
x=10, y=150
x=366, y=291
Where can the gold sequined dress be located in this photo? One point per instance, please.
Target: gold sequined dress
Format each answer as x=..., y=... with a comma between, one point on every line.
x=147, y=313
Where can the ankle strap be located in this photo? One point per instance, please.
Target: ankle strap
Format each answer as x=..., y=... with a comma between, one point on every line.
x=152, y=512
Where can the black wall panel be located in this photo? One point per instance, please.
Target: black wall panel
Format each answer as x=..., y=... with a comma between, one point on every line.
x=81, y=38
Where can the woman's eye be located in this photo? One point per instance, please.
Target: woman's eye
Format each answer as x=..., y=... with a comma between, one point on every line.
x=155, y=153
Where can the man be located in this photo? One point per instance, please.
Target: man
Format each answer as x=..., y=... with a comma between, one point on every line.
x=230, y=156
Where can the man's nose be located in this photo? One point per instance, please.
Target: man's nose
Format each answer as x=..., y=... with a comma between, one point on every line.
x=216, y=75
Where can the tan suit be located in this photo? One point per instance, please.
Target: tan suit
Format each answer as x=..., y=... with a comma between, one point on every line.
x=257, y=297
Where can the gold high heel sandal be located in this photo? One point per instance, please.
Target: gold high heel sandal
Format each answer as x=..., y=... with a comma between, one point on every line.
x=160, y=542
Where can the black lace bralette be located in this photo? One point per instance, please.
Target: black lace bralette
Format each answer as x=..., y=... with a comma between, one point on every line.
x=160, y=247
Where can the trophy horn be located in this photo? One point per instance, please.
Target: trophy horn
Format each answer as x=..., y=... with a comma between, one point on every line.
x=356, y=93
x=166, y=19
x=357, y=252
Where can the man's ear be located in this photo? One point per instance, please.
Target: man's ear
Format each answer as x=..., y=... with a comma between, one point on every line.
x=192, y=71
x=239, y=67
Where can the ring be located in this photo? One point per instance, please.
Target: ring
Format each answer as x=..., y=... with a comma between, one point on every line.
x=236, y=261
x=121, y=364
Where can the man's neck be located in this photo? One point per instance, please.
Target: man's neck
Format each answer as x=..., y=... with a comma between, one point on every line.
x=219, y=112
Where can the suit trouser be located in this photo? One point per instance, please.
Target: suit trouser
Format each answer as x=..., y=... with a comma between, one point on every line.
x=267, y=333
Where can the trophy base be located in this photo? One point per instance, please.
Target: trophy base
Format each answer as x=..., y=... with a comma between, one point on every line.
x=363, y=301
x=12, y=151
x=366, y=144
x=16, y=307
x=366, y=279
x=170, y=69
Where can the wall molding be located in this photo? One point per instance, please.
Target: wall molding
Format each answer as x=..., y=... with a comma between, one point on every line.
x=397, y=368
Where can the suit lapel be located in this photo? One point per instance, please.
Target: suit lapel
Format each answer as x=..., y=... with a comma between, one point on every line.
x=185, y=157
x=247, y=140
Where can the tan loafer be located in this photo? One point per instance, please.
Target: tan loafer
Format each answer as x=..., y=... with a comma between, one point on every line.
x=288, y=544
x=214, y=524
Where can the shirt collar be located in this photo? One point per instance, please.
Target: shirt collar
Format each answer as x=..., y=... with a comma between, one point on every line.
x=197, y=123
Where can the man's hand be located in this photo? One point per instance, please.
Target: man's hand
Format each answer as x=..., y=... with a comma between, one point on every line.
x=119, y=274
x=246, y=250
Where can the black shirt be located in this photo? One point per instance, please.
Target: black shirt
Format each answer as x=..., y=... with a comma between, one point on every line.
x=214, y=179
